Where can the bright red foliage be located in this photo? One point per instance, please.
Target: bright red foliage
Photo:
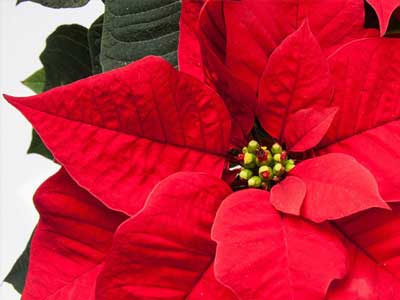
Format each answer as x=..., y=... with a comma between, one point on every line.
x=70, y=243
x=262, y=254
x=165, y=251
x=121, y=132
x=315, y=83
x=384, y=10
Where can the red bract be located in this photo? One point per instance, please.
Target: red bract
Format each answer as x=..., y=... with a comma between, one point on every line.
x=120, y=133
x=70, y=243
x=384, y=10
x=331, y=99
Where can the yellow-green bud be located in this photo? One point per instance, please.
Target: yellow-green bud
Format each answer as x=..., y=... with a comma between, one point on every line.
x=277, y=157
x=276, y=148
x=249, y=160
x=245, y=174
x=278, y=169
x=253, y=146
x=245, y=150
x=265, y=172
x=254, y=181
x=289, y=165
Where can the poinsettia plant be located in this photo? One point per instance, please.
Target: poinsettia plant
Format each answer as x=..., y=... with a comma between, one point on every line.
x=264, y=166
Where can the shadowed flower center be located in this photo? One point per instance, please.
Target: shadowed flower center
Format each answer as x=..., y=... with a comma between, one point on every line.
x=262, y=167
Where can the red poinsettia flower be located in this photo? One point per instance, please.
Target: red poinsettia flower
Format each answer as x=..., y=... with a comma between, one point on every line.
x=123, y=134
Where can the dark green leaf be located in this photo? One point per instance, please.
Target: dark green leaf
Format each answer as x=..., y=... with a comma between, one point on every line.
x=66, y=57
x=94, y=39
x=394, y=24
x=36, y=81
x=38, y=147
x=370, y=19
x=136, y=28
x=17, y=275
x=58, y=3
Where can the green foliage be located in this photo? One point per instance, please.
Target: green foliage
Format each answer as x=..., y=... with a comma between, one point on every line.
x=36, y=81
x=94, y=40
x=17, y=275
x=66, y=57
x=135, y=28
x=58, y=3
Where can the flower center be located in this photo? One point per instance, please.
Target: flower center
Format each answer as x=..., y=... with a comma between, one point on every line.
x=262, y=167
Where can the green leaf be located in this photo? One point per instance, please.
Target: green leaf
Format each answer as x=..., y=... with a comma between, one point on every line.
x=58, y=3
x=94, y=39
x=17, y=275
x=66, y=57
x=136, y=28
x=38, y=147
x=36, y=81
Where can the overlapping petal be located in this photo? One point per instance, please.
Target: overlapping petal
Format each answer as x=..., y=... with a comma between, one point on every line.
x=367, y=93
x=121, y=132
x=296, y=77
x=239, y=98
x=337, y=186
x=252, y=36
x=306, y=127
x=374, y=256
x=384, y=10
x=70, y=243
x=189, y=53
x=262, y=254
x=165, y=251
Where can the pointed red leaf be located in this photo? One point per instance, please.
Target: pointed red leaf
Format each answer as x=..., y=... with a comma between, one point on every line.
x=337, y=186
x=378, y=150
x=288, y=195
x=238, y=97
x=70, y=243
x=374, y=252
x=121, y=132
x=376, y=232
x=384, y=10
x=366, y=280
x=367, y=92
x=306, y=128
x=165, y=251
x=296, y=77
x=189, y=53
x=255, y=28
x=262, y=254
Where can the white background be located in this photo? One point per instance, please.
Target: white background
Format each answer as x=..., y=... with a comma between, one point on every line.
x=23, y=32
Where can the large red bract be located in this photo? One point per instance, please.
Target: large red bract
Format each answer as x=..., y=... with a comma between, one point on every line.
x=150, y=143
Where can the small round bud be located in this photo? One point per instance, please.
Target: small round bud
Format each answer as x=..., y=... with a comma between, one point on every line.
x=240, y=157
x=245, y=174
x=278, y=169
x=277, y=157
x=245, y=150
x=289, y=165
x=276, y=148
x=284, y=155
x=264, y=185
x=254, y=181
x=253, y=146
x=265, y=172
x=249, y=160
